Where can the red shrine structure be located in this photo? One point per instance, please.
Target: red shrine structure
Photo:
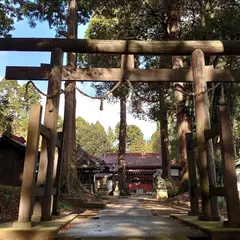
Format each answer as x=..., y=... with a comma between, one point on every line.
x=140, y=168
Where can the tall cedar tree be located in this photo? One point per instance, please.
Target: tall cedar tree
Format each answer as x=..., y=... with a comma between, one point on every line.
x=183, y=119
x=166, y=174
x=69, y=124
x=127, y=62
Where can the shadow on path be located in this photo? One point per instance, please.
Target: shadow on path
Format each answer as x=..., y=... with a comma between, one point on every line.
x=128, y=218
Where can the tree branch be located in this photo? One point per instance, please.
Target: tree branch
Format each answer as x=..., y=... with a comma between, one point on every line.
x=63, y=33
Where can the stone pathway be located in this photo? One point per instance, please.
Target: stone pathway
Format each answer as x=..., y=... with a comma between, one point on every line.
x=128, y=218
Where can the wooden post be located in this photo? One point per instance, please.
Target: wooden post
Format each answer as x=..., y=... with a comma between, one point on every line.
x=230, y=178
x=50, y=121
x=41, y=177
x=199, y=79
x=57, y=178
x=30, y=167
x=211, y=167
x=192, y=176
x=212, y=180
x=51, y=111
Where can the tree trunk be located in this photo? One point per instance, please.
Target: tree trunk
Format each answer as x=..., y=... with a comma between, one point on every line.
x=127, y=62
x=122, y=146
x=166, y=174
x=69, y=125
x=183, y=120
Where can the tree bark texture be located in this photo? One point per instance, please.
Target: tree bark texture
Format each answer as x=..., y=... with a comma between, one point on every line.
x=206, y=10
x=166, y=174
x=183, y=120
x=127, y=63
x=183, y=48
x=115, y=74
x=69, y=125
x=202, y=121
x=122, y=146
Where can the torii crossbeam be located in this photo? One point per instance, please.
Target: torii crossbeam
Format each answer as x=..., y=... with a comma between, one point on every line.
x=120, y=46
x=115, y=74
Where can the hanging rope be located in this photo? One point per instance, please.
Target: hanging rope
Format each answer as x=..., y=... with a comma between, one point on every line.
x=207, y=90
x=41, y=92
x=101, y=98
x=198, y=93
x=104, y=95
x=119, y=84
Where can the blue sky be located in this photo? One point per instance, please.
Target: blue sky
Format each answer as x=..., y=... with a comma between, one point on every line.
x=87, y=108
x=22, y=29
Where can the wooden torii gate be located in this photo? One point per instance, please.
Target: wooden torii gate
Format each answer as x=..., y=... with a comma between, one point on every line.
x=55, y=73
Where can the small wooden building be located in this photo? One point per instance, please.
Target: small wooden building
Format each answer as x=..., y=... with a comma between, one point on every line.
x=87, y=166
x=12, y=154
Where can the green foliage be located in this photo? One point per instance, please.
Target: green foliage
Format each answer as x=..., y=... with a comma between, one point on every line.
x=9, y=12
x=102, y=26
x=112, y=138
x=59, y=124
x=171, y=187
x=64, y=207
x=134, y=138
x=148, y=20
x=155, y=139
x=9, y=192
x=55, y=12
x=14, y=108
x=91, y=137
x=138, y=145
x=148, y=146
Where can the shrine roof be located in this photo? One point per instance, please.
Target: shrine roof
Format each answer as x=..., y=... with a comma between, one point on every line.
x=13, y=140
x=86, y=160
x=137, y=160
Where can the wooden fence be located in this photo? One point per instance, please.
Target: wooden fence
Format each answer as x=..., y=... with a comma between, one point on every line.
x=229, y=191
x=30, y=190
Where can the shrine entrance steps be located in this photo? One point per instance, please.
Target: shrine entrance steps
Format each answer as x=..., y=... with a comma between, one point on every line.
x=128, y=219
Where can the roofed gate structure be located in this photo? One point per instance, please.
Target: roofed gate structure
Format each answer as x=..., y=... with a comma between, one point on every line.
x=49, y=170
x=140, y=168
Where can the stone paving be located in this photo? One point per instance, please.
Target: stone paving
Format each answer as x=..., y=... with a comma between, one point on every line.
x=128, y=218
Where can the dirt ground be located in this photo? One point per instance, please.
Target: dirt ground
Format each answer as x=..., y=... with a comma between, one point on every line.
x=176, y=205
x=164, y=208
x=9, y=205
x=9, y=202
